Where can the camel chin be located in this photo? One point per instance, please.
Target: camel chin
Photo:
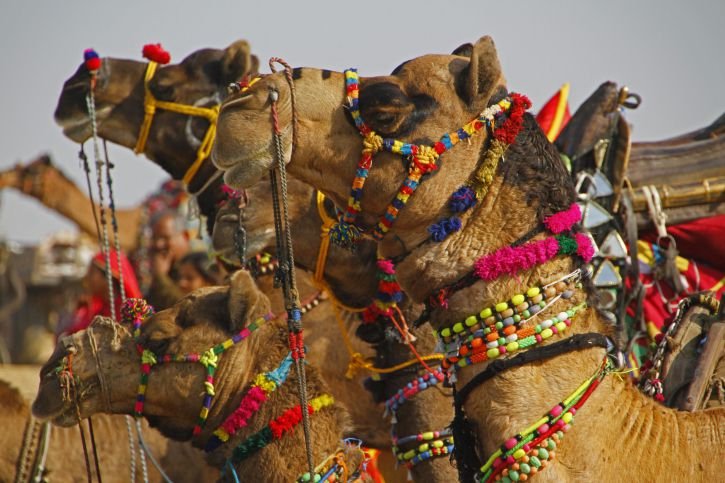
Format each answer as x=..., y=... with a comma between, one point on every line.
x=245, y=174
x=50, y=406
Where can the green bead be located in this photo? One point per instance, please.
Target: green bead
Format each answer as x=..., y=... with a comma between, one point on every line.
x=492, y=353
x=552, y=444
x=306, y=477
x=499, y=325
x=501, y=341
x=525, y=468
x=543, y=454
x=538, y=329
x=446, y=332
x=518, y=299
x=318, y=478
x=487, y=330
x=570, y=313
x=458, y=327
x=501, y=306
x=505, y=479
x=517, y=318
x=526, y=314
x=535, y=462
x=471, y=321
x=486, y=313
x=514, y=475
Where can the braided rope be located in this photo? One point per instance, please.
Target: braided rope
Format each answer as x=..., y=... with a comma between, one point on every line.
x=289, y=285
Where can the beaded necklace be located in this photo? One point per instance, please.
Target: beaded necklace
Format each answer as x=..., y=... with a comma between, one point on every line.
x=423, y=160
x=520, y=308
x=136, y=310
x=278, y=427
x=335, y=467
x=495, y=344
x=426, y=451
x=433, y=443
x=264, y=385
x=528, y=451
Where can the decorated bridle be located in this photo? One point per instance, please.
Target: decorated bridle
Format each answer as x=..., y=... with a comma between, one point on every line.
x=157, y=56
x=135, y=311
x=423, y=159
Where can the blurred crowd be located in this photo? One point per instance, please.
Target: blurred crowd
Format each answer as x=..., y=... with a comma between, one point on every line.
x=176, y=269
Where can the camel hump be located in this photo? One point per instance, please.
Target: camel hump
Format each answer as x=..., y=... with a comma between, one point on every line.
x=12, y=399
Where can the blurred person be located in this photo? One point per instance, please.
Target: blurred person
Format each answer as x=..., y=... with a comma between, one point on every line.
x=169, y=244
x=96, y=301
x=196, y=270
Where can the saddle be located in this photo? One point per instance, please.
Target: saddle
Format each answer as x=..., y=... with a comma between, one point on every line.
x=628, y=189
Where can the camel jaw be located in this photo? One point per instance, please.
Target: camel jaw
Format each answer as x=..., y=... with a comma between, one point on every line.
x=50, y=406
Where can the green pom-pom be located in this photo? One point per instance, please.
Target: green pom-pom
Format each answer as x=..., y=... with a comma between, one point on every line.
x=567, y=245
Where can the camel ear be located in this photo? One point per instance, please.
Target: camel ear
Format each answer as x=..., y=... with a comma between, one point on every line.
x=464, y=50
x=238, y=61
x=246, y=301
x=484, y=72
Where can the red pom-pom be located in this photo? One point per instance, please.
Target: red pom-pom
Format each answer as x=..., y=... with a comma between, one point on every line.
x=156, y=53
x=92, y=60
x=93, y=64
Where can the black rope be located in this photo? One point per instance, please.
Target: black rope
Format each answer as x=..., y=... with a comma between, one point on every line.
x=84, y=159
x=464, y=453
x=95, y=451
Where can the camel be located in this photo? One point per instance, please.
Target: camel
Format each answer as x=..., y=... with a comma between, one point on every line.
x=65, y=461
x=351, y=278
x=105, y=366
x=41, y=180
x=201, y=80
x=422, y=100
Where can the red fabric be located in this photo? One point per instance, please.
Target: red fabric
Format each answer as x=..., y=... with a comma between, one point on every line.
x=93, y=306
x=701, y=240
x=661, y=300
x=545, y=117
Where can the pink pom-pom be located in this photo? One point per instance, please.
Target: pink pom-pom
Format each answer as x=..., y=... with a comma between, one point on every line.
x=386, y=266
x=156, y=53
x=584, y=246
x=564, y=220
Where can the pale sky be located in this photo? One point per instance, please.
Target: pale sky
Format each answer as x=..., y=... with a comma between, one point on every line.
x=670, y=52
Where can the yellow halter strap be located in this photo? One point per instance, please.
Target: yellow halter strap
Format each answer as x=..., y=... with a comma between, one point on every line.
x=151, y=104
x=357, y=360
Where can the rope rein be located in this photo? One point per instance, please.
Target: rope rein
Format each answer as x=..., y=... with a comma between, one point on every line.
x=285, y=253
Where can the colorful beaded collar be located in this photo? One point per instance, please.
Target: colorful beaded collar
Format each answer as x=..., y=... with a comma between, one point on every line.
x=135, y=311
x=423, y=160
x=525, y=453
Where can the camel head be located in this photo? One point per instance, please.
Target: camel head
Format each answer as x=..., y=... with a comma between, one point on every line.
x=201, y=79
x=420, y=101
x=252, y=209
x=98, y=370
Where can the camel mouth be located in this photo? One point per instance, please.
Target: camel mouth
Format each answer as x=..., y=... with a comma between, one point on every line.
x=258, y=236
x=77, y=126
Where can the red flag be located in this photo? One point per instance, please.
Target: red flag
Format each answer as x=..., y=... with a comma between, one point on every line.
x=555, y=114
